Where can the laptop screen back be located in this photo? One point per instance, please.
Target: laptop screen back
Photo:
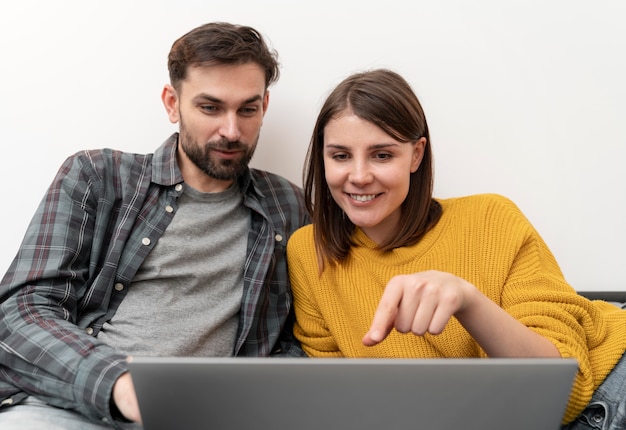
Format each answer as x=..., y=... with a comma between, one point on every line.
x=364, y=394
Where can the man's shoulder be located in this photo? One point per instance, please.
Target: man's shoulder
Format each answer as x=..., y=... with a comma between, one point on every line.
x=105, y=157
x=277, y=197
x=165, y=152
x=270, y=177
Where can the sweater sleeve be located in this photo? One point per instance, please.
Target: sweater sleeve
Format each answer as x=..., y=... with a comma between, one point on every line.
x=309, y=328
x=536, y=293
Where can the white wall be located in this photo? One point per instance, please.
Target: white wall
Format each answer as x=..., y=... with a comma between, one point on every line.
x=524, y=98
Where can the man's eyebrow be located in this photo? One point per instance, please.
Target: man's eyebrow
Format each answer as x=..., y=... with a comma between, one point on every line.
x=254, y=99
x=212, y=99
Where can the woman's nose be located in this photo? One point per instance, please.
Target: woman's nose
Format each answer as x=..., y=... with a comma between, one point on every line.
x=360, y=174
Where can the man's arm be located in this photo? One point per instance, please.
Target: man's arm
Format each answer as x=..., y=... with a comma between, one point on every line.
x=288, y=345
x=45, y=346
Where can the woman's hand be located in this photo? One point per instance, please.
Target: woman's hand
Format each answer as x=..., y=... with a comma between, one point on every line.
x=419, y=303
x=424, y=302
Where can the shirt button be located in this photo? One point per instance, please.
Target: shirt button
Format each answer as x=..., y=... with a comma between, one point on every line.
x=169, y=209
x=278, y=238
x=119, y=286
x=89, y=330
x=145, y=241
x=178, y=187
x=8, y=401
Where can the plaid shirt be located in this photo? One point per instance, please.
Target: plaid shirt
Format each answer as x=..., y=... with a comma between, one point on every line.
x=103, y=213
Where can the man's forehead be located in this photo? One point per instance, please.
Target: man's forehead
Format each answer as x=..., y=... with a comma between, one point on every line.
x=249, y=71
x=243, y=83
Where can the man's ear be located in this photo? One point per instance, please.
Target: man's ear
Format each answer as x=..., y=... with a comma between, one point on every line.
x=418, y=154
x=169, y=97
x=266, y=101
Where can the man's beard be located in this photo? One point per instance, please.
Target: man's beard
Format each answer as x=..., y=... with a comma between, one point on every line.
x=223, y=170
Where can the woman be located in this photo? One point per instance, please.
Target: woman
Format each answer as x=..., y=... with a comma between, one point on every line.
x=386, y=270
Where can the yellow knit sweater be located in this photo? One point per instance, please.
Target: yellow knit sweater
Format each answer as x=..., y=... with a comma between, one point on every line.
x=484, y=239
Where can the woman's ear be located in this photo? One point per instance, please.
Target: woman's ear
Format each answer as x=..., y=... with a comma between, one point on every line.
x=418, y=154
x=169, y=96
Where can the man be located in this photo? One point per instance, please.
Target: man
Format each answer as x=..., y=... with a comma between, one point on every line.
x=180, y=252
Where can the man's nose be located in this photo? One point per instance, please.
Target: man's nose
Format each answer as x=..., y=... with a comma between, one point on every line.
x=230, y=127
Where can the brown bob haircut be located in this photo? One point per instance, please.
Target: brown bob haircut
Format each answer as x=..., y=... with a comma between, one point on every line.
x=384, y=98
x=221, y=43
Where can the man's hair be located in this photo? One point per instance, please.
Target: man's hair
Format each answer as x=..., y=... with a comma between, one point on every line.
x=383, y=98
x=221, y=43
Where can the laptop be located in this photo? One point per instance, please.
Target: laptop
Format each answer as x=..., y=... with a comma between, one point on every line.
x=362, y=393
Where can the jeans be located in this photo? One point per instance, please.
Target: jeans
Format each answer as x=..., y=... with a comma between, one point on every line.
x=607, y=408
x=33, y=414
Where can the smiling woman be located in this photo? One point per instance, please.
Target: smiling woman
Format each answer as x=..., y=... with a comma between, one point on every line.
x=368, y=172
x=387, y=270
x=370, y=138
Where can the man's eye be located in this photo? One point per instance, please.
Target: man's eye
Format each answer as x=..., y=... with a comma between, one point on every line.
x=249, y=110
x=208, y=108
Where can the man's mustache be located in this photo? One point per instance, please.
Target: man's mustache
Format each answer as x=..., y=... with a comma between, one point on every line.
x=226, y=145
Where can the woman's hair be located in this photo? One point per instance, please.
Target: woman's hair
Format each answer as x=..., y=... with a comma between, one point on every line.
x=221, y=43
x=385, y=99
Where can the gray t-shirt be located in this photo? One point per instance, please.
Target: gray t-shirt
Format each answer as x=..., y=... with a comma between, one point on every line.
x=185, y=299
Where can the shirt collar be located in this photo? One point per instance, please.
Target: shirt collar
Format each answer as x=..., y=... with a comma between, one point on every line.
x=165, y=169
x=249, y=184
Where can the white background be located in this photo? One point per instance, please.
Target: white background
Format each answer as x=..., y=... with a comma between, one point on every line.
x=524, y=98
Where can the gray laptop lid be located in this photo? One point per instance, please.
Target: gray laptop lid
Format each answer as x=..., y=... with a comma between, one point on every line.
x=363, y=394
